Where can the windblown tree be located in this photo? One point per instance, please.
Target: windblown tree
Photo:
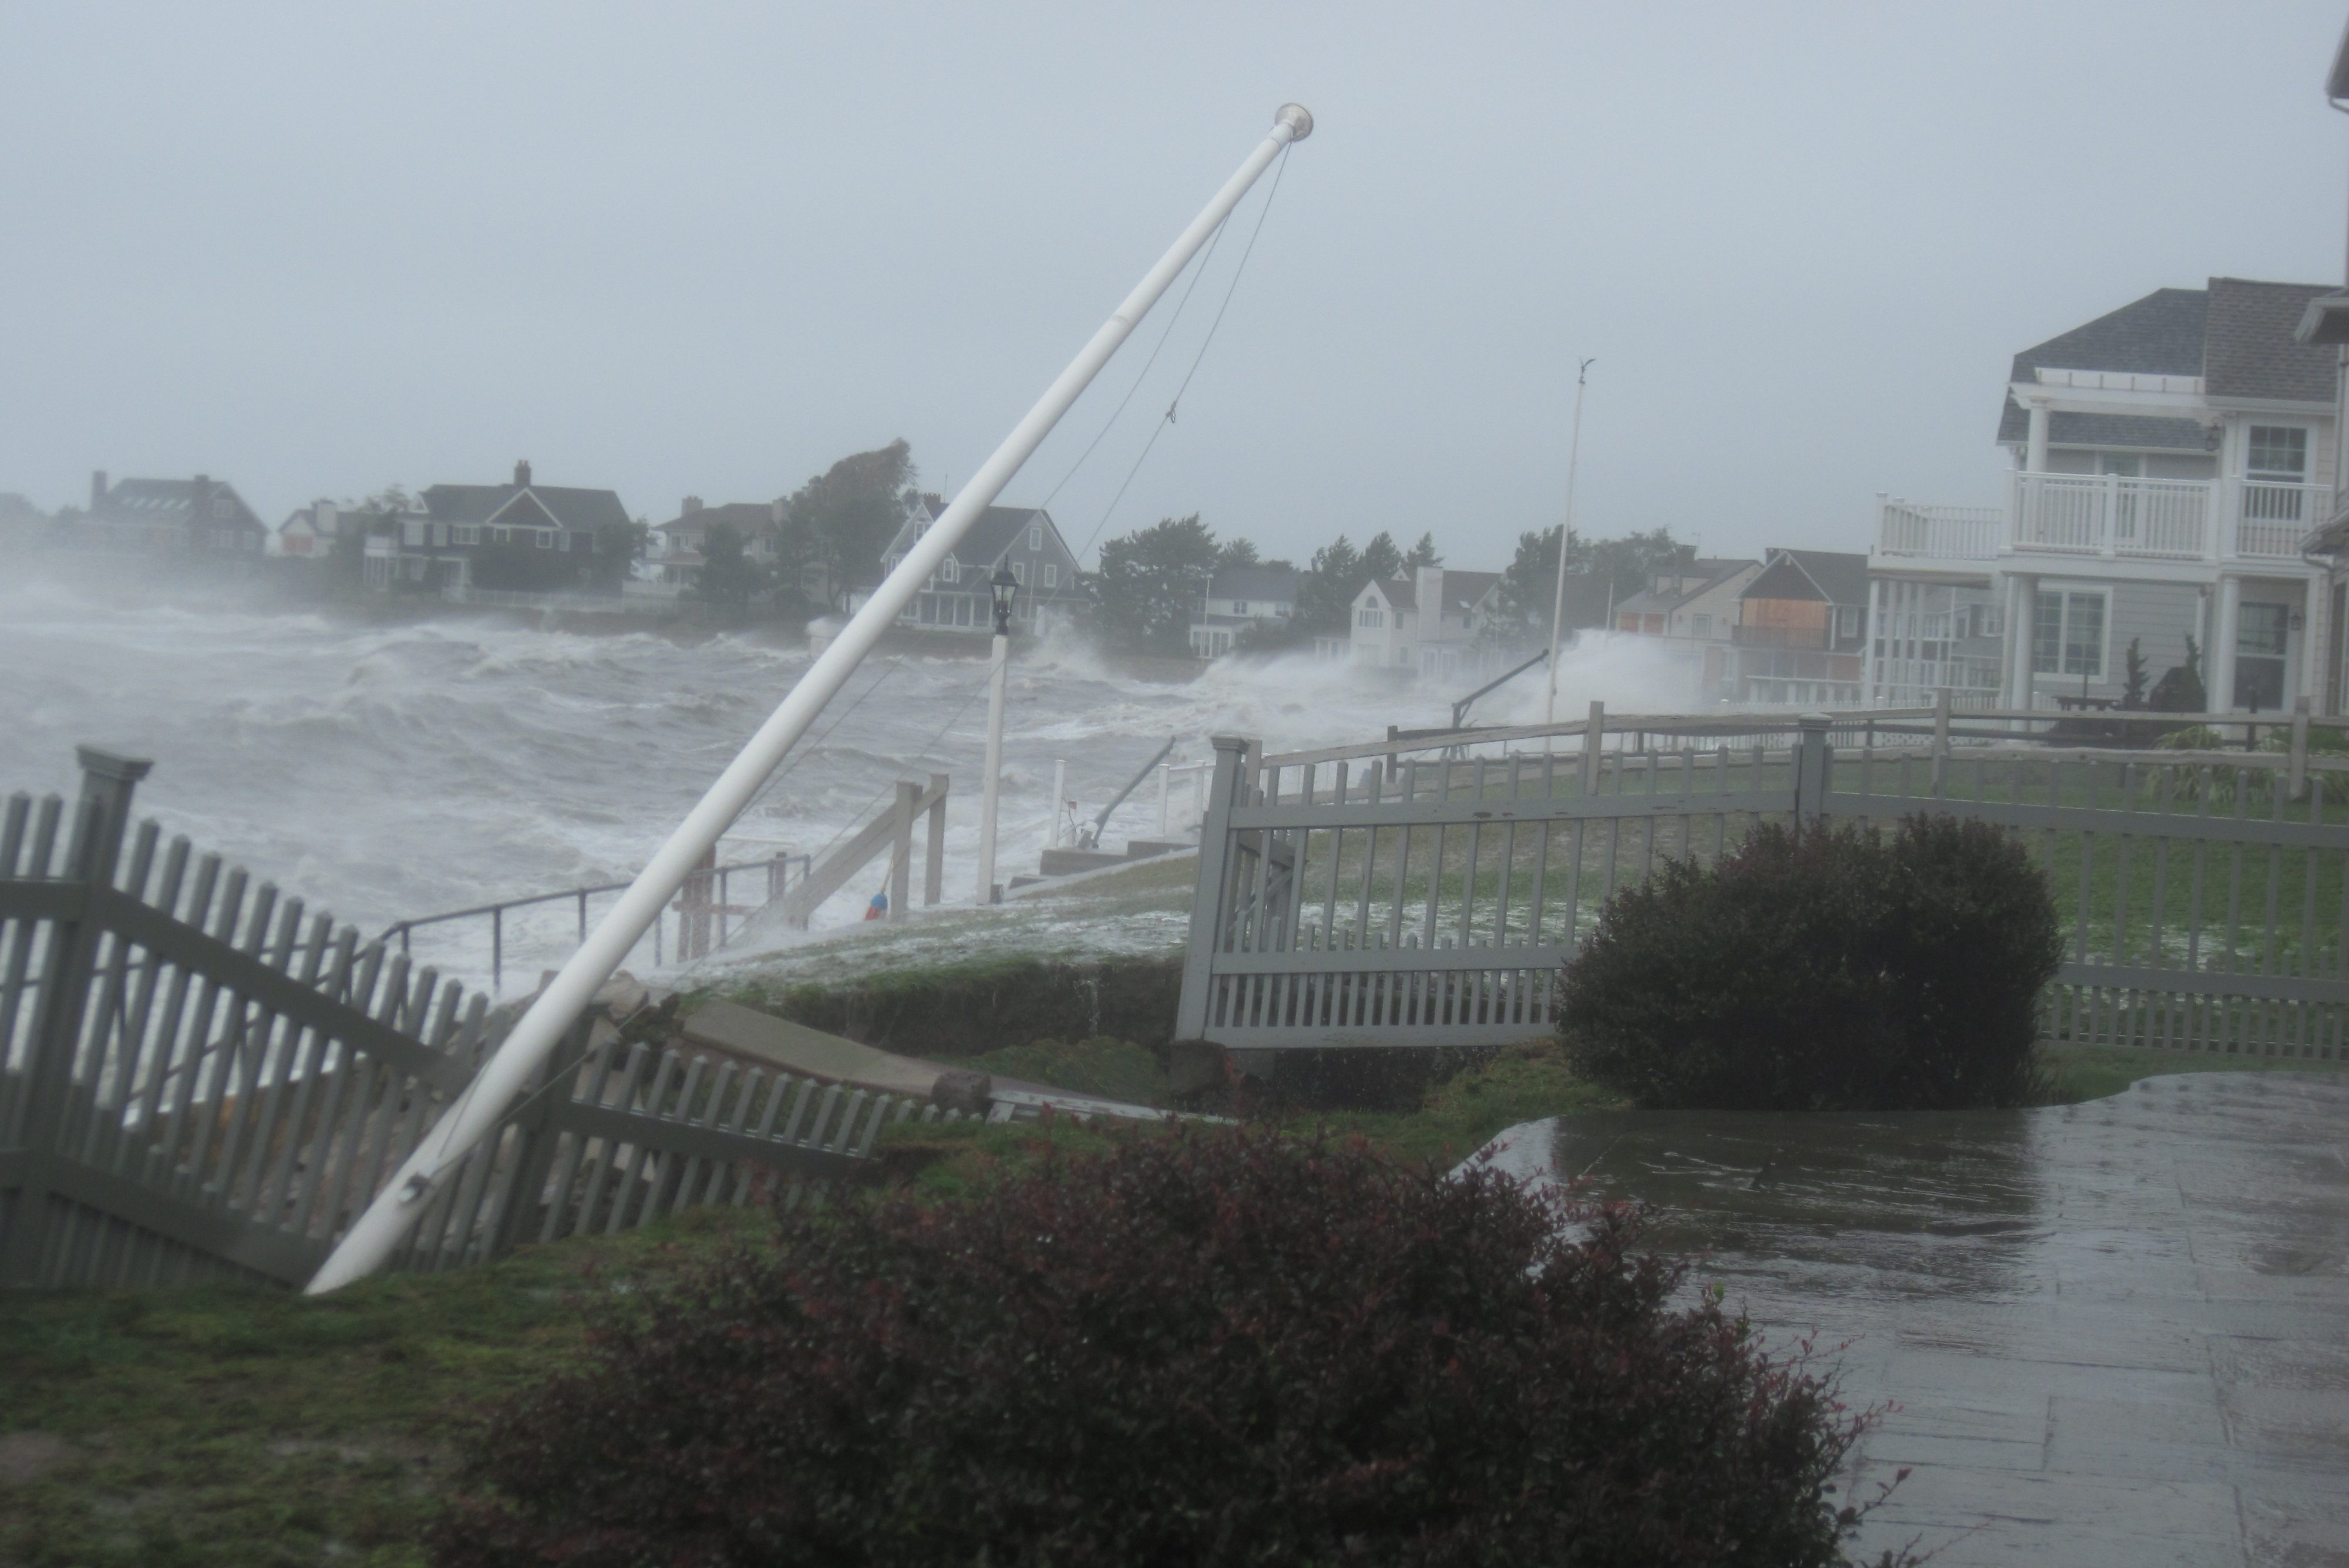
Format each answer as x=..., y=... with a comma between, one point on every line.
x=1151, y=583
x=1423, y=554
x=616, y=545
x=1382, y=561
x=845, y=516
x=729, y=577
x=1599, y=574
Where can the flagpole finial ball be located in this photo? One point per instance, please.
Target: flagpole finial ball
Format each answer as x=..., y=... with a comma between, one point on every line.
x=1298, y=120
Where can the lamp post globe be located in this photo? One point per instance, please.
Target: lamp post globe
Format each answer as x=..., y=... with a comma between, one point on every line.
x=1005, y=588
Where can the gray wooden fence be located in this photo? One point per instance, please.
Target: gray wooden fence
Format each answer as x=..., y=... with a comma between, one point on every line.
x=1369, y=896
x=201, y=1079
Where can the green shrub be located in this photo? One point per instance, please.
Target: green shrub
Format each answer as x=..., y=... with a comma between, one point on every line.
x=1839, y=971
x=1189, y=1348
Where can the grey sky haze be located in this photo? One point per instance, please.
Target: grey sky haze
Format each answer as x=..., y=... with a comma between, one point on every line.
x=709, y=249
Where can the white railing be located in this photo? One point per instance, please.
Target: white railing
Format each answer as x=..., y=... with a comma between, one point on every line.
x=1939, y=532
x=2164, y=519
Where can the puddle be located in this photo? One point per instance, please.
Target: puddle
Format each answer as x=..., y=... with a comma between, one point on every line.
x=2114, y=1331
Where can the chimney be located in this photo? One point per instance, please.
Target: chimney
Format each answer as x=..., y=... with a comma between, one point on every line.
x=692, y=505
x=322, y=519
x=522, y=473
x=96, y=487
x=1428, y=586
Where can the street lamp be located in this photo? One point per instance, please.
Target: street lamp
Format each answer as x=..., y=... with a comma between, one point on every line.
x=1004, y=587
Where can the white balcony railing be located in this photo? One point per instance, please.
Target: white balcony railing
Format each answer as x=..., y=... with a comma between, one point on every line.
x=2165, y=519
x=1940, y=533
x=2115, y=515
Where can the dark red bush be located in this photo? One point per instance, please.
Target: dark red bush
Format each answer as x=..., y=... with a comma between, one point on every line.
x=1195, y=1348
x=1842, y=971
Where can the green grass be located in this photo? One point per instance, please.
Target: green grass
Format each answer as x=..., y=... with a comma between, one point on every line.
x=2077, y=1073
x=226, y=1425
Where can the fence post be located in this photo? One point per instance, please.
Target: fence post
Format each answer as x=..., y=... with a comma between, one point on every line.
x=934, y=860
x=71, y=964
x=1940, y=739
x=901, y=851
x=1208, y=897
x=2299, y=747
x=1813, y=764
x=1594, y=736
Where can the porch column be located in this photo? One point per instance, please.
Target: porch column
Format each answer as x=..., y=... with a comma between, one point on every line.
x=1877, y=629
x=2035, y=450
x=2022, y=613
x=2315, y=640
x=2218, y=658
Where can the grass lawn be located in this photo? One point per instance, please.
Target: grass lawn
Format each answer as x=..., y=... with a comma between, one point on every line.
x=225, y=1425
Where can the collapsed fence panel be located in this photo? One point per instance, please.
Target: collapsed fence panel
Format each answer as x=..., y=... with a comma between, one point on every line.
x=201, y=1079
x=1367, y=896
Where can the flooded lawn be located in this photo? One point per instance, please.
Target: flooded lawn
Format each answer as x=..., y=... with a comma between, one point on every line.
x=2112, y=1332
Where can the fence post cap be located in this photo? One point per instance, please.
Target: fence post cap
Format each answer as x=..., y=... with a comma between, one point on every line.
x=113, y=765
x=1229, y=742
x=1817, y=722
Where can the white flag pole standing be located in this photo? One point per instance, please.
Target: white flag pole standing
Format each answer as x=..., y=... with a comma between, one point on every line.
x=1565, y=542
x=477, y=1112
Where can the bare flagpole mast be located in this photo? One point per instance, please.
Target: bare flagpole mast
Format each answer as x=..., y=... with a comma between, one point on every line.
x=1564, y=541
x=478, y=1111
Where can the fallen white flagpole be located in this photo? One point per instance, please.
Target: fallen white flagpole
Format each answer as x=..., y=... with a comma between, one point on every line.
x=478, y=1111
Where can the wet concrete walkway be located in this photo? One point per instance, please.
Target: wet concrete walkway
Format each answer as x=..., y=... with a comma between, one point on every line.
x=2115, y=1333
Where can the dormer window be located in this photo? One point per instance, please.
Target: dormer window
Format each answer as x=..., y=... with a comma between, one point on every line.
x=1035, y=535
x=948, y=571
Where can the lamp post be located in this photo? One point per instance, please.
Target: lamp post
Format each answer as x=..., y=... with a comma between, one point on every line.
x=1004, y=586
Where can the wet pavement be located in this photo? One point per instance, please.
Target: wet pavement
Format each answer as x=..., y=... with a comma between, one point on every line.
x=2113, y=1332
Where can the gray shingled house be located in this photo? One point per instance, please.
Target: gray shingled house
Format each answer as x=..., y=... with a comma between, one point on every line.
x=2168, y=463
x=956, y=596
x=436, y=547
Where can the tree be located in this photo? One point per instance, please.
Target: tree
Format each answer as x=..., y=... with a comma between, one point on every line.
x=2134, y=676
x=1382, y=561
x=845, y=516
x=616, y=545
x=1423, y=552
x=1150, y=584
x=1325, y=599
x=523, y=568
x=1628, y=562
x=1236, y=552
x=729, y=577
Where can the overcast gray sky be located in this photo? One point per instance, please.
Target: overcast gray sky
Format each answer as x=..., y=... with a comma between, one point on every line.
x=708, y=249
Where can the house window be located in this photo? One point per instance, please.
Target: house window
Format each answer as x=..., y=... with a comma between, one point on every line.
x=466, y=533
x=1370, y=614
x=949, y=570
x=2278, y=453
x=545, y=538
x=2067, y=634
x=1019, y=572
x=1035, y=535
x=1847, y=621
x=1239, y=607
x=1052, y=574
x=501, y=536
x=2261, y=638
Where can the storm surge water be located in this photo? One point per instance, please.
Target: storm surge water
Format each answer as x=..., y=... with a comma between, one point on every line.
x=388, y=770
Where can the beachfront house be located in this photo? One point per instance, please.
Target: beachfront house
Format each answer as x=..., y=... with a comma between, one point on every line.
x=955, y=598
x=1801, y=636
x=146, y=515
x=540, y=535
x=2168, y=463
x=1427, y=622
x=1692, y=610
x=1239, y=598
x=674, y=553
x=312, y=530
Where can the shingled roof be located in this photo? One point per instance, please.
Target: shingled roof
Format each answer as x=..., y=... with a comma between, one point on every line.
x=2236, y=334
